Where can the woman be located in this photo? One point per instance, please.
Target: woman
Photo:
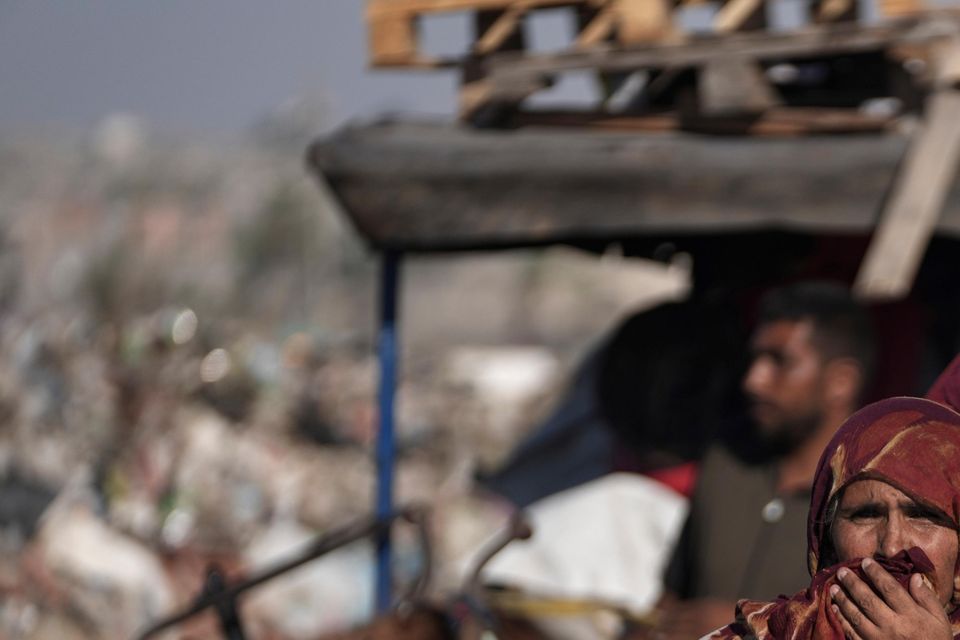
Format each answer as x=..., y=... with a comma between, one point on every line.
x=882, y=534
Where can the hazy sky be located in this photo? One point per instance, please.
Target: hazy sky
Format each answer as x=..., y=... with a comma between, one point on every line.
x=220, y=65
x=189, y=65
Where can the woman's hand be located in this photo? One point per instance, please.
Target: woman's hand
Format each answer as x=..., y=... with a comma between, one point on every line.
x=895, y=613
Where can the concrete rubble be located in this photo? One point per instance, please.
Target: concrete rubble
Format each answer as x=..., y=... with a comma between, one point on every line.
x=142, y=508
x=187, y=378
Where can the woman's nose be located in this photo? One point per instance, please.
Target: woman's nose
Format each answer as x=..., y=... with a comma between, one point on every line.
x=892, y=537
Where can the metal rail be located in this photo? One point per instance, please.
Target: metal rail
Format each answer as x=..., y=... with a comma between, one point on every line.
x=389, y=355
x=222, y=597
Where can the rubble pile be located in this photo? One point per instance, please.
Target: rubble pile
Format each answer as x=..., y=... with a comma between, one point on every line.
x=158, y=470
x=187, y=378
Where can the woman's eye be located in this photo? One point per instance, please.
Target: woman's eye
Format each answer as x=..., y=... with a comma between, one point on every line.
x=921, y=513
x=865, y=513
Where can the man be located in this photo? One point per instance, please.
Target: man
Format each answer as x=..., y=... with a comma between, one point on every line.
x=811, y=357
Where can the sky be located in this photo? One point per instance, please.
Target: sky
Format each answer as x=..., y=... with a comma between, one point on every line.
x=222, y=65
x=212, y=65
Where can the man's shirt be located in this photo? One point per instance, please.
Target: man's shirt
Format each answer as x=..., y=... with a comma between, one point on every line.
x=741, y=538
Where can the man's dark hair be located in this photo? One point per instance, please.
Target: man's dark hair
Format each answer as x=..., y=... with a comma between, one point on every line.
x=841, y=327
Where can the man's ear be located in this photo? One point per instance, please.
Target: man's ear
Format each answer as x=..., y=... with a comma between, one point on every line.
x=843, y=381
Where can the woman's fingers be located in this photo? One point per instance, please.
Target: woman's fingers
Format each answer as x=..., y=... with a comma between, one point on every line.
x=848, y=631
x=895, y=596
x=851, y=611
x=862, y=597
x=925, y=596
x=864, y=615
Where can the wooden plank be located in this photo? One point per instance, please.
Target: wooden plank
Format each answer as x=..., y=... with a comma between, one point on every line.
x=945, y=60
x=775, y=122
x=835, y=10
x=442, y=187
x=510, y=69
x=634, y=22
x=901, y=8
x=477, y=93
x=735, y=14
x=515, y=40
x=929, y=170
x=412, y=7
x=820, y=40
x=376, y=8
x=502, y=28
x=731, y=85
x=598, y=29
x=392, y=33
x=643, y=22
x=391, y=41
x=473, y=95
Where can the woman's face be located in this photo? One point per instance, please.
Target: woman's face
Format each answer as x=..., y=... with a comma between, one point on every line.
x=876, y=519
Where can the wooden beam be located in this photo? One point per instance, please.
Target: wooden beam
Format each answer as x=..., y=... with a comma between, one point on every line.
x=945, y=59
x=505, y=26
x=411, y=7
x=816, y=41
x=921, y=187
x=732, y=85
x=598, y=29
x=515, y=40
x=774, y=122
x=476, y=93
x=391, y=41
x=410, y=186
x=901, y=238
x=643, y=22
x=901, y=8
x=737, y=14
x=392, y=26
x=835, y=10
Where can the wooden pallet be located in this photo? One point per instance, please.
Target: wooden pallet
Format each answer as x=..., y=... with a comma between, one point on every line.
x=618, y=37
x=729, y=75
x=394, y=37
x=722, y=82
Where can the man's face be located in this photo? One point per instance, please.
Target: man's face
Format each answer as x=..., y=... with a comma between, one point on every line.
x=784, y=384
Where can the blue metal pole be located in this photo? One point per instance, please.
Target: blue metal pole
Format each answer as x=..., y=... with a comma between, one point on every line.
x=388, y=354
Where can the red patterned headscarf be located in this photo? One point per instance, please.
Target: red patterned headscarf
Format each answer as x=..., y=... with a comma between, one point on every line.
x=946, y=390
x=912, y=444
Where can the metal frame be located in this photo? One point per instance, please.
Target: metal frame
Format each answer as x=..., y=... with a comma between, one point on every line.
x=222, y=596
x=388, y=353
